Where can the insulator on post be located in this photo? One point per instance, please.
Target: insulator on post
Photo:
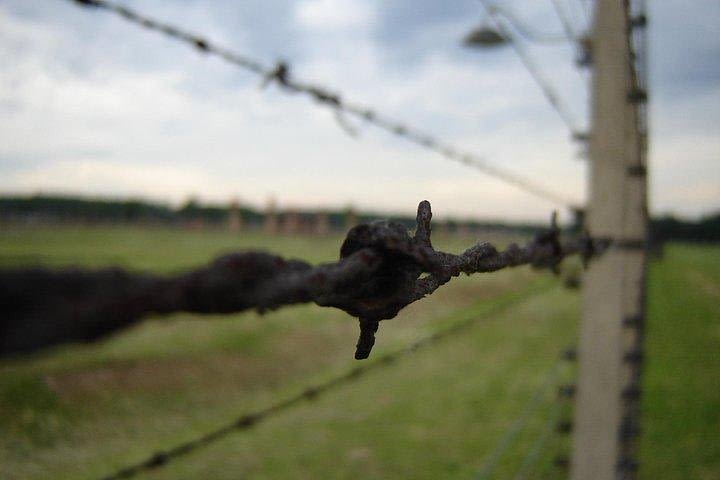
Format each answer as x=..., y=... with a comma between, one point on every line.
x=633, y=321
x=634, y=356
x=637, y=170
x=638, y=21
x=567, y=391
x=561, y=461
x=570, y=354
x=631, y=393
x=629, y=428
x=564, y=427
x=627, y=464
x=637, y=95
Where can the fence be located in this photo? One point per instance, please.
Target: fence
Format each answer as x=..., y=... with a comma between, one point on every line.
x=382, y=268
x=377, y=275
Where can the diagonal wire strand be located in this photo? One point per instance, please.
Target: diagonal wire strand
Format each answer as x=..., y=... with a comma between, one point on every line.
x=309, y=394
x=280, y=74
x=492, y=460
x=526, y=31
x=541, y=440
x=379, y=273
x=536, y=73
x=565, y=20
x=586, y=9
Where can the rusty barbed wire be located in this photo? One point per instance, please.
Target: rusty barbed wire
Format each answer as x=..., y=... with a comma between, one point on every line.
x=280, y=74
x=308, y=394
x=380, y=272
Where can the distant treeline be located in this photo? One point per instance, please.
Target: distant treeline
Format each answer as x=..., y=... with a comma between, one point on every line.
x=58, y=209
x=70, y=209
x=41, y=209
x=91, y=210
x=707, y=229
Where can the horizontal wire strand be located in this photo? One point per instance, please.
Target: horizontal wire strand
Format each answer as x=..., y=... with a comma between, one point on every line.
x=280, y=74
x=379, y=273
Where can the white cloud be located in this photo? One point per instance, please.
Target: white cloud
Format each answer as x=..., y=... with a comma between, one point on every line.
x=334, y=14
x=162, y=142
x=110, y=178
x=84, y=116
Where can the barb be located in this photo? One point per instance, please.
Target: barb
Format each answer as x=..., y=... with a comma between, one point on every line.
x=311, y=393
x=280, y=74
x=378, y=274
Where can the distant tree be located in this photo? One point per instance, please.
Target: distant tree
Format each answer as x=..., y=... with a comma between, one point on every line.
x=668, y=227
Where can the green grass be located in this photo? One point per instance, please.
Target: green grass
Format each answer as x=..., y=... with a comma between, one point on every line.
x=80, y=411
x=681, y=436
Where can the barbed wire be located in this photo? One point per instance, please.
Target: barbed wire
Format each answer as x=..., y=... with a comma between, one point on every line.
x=379, y=273
x=526, y=32
x=554, y=424
x=280, y=74
x=566, y=22
x=309, y=394
x=532, y=455
x=587, y=10
x=535, y=72
x=549, y=379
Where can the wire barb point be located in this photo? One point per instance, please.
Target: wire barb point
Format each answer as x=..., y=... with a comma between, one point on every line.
x=366, y=340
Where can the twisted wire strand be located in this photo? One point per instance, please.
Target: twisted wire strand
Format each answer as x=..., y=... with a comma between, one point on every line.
x=379, y=273
x=281, y=75
x=309, y=394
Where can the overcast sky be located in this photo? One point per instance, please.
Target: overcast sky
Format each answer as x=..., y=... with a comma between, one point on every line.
x=92, y=105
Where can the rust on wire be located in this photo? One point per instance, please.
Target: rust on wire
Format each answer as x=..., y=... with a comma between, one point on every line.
x=280, y=75
x=380, y=272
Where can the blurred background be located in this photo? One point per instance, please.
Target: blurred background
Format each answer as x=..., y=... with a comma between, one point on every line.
x=120, y=146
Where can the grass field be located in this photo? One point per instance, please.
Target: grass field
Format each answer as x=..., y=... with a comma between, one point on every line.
x=81, y=411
